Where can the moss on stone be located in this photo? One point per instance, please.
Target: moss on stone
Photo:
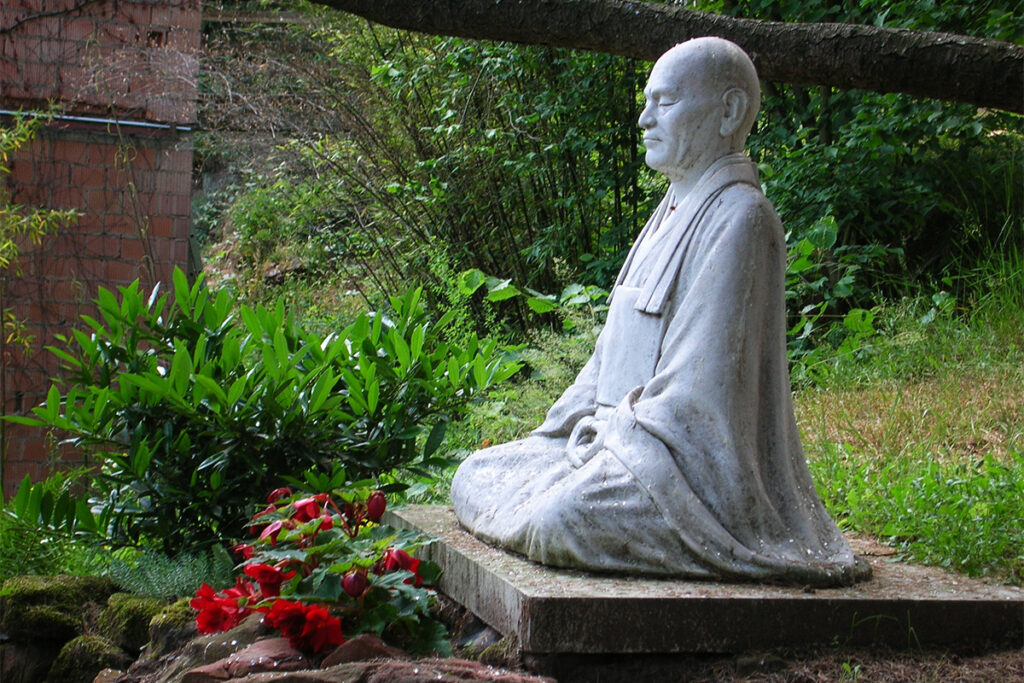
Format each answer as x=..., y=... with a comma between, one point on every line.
x=125, y=621
x=85, y=656
x=170, y=628
x=504, y=653
x=49, y=607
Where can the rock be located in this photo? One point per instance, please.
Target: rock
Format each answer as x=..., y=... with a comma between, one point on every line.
x=171, y=629
x=50, y=607
x=201, y=650
x=420, y=671
x=125, y=621
x=362, y=648
x=270, y=654
x=85, y=656
x=27, y=662
x=108, y=676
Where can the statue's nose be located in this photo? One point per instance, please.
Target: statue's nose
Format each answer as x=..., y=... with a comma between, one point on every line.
x=646, y=119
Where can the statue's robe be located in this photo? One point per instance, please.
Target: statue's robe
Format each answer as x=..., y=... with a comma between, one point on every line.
x=675, y=452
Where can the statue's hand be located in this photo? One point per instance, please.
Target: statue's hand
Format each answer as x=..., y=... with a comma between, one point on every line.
x=584, y=441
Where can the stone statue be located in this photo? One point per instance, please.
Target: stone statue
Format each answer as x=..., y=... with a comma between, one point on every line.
x=676, y=452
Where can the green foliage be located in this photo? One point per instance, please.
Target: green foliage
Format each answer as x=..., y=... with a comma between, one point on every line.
x=521, y=162
x=153, y=574
x=36, y=530
x=964, y=516
x=575, y=295
x=188, y=405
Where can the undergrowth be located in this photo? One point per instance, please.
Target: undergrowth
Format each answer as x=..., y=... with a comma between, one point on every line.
x=153, y=574
x=920, y=442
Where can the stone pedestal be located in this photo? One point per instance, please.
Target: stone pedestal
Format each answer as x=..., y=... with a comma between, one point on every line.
x=555, y=611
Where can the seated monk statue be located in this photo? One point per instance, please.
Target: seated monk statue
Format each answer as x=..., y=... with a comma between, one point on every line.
x=675, y=452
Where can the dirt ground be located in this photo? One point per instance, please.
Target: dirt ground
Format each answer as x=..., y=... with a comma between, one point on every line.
x=808, y=666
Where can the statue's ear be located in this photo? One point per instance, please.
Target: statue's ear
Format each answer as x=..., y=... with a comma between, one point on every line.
x=735, y=102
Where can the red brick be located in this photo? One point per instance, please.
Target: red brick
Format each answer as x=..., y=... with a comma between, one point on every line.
x=89, y=176
x=163, y=16
x=101, y=154
x=141, y=156
x=67, y=291
x=183, y=38
x=160, y=227
x=78, y=29
x=132, y=248
x=67, y=197
x=104, y=201
x=124, y=272
x=70, y=150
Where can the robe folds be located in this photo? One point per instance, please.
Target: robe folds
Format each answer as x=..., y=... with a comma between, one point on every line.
x=675, y=452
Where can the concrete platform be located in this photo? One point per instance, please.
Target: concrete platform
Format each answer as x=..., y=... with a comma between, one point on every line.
x=562, y=611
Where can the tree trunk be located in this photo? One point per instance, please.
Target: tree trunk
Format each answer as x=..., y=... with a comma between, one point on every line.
x=986, y=73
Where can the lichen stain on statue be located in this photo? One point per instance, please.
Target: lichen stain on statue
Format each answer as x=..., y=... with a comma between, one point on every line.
x=675, y=452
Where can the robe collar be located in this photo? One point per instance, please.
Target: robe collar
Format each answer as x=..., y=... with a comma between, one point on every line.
x=681, y=222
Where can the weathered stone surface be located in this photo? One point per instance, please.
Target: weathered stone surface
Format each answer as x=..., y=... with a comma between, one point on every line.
x=361, y=648
x=49, y=607
x=269, y=654
x=125, y=620
x=82, y=658
x=397, y=671
x=204, y=649
x=563, y=611
x=108, y=676
x=171, y=629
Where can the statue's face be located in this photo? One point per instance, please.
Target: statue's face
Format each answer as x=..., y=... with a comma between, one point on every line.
x=682, y=117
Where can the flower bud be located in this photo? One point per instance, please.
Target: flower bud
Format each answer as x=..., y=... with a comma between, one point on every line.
x=354, y=583
x=375, y=506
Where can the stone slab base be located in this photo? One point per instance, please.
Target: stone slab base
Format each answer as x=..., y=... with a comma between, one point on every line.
x=561, y=611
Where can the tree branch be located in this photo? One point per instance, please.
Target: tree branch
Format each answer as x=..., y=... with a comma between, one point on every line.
x=986, y=73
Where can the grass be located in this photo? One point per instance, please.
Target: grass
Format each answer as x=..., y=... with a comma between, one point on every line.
x=920, y=442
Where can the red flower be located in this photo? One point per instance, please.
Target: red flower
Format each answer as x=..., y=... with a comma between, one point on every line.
x=271, y=532
x=375, y=506
x=218, y=612
x=242, y=550
x=269, y=578
x=321, y=630
x=265, y=511
x=278, y=494
x=243, y=589
x=326, y=522
x=307, y=627
x=395, y=559
x=306, y=509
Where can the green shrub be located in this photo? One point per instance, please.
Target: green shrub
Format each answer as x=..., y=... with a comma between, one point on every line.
x=189, y=406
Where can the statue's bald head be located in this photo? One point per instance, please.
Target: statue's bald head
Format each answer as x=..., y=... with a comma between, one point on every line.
x=717, y=66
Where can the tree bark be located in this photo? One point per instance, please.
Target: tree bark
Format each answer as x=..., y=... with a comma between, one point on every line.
x=985, y=73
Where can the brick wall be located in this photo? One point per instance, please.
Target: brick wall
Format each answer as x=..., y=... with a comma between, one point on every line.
x=134, y=57
x=133, y=65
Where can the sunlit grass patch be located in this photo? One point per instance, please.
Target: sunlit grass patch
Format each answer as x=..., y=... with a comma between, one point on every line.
x=954, y=416
x=965, y=516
